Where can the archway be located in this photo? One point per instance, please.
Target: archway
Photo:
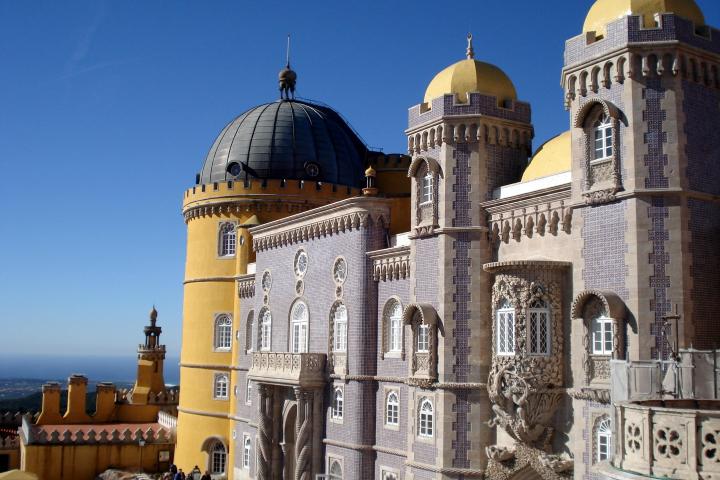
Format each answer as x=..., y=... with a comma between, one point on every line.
x=288, y=441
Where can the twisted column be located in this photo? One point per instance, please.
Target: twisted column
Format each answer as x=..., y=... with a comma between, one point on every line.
x=303, y=431
x=265, y=431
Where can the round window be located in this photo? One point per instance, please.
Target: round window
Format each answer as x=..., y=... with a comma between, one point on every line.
x=301, y=263
x=266, y=281
x=340, y=270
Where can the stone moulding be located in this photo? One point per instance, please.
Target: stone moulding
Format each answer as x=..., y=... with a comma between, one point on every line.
x=597, y=395
x=246, y=286
x=528, y=462
x=226, y=207
x=306, y=370
x=391, y=263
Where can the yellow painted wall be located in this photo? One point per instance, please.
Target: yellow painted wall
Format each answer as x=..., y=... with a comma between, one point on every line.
x=84, y=462
x=13, y=457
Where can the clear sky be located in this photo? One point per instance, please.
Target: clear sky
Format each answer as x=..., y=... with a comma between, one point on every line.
x=107, y=109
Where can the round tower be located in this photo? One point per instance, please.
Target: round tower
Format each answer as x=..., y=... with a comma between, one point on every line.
x=276, y=159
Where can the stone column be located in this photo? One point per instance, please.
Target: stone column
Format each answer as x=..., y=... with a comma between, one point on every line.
x=265, y=428
x=303, y=434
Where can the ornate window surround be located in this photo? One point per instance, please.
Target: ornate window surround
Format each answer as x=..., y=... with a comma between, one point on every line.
x=426, y=213
x=219, y=392
x=430, y=423
x=386, y=333
x=331, y=462
x=210, y=446
x=614, y=308
x=423, y=366
x=249, y=331
x=599, y=424
x=265, y=316
x=386, y=410
x=291, y=338
x=610, y=183
x=337, y=405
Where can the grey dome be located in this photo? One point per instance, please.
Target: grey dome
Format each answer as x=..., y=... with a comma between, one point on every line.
x=287, y=139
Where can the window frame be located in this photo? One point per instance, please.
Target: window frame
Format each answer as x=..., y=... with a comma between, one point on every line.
x=225, y=334
x=425, y=418
x=248, y=392
x=247, y=451
x=538, y=308
x=606, y=328
x=331, y=462
x=427, y=188
x=392, y=409
x=303, y=347
x=505, y=337
x=339, y=340
x=602, y=130
x=603, y=437
x=221, y=458
x=218, y=388
x=422, y=344
x=249, y=331
x=265, y=330
x=227, y=240
x=337, y=407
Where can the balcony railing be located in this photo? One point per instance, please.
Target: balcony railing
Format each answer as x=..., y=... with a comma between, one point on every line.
x=669, y=438
x=292, y=369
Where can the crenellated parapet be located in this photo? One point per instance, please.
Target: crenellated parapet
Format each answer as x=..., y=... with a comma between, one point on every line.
x=631, y=52
x=64, y=435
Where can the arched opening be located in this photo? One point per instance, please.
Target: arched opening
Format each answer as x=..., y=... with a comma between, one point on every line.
x=288, y=443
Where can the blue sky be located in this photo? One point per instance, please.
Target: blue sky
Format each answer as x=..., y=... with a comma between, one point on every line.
x=107, y=109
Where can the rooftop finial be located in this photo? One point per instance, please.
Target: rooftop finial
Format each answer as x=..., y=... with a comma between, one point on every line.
x=287, y=77
x=470, y=52
x=153, y=315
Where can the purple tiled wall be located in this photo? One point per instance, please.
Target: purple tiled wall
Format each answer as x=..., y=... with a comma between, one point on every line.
x=604, y=248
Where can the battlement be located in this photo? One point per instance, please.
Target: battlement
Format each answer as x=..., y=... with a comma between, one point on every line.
x=477, y=104
x=95, y=434
x=629, y=30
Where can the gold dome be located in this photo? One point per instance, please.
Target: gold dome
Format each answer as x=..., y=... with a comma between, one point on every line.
x=553, y=157
x=605, y=11
x=471, y=75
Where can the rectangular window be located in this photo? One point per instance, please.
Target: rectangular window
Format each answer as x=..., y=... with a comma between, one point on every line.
x=247, y=447
x=539, y=332
x=395, y=334
x=423, y=339
x=248, y=393
x=299, y=340
x=602, y=336
x=603, y=142
x=340, y=337
x=603, y=447
x=506, y=332
x=427, y=189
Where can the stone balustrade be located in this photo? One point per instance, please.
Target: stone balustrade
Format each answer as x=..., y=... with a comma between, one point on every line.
x=305, y=370
x=167, y=420
x=668, y=438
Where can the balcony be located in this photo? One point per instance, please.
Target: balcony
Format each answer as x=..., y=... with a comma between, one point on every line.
x=668, y=438
x=305, y=370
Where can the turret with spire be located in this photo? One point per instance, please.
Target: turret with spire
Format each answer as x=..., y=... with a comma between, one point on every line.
x=151, y=356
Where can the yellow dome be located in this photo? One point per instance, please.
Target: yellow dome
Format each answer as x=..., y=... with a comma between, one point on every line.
x=553, y=156
x=605, y=11
x=471, y=75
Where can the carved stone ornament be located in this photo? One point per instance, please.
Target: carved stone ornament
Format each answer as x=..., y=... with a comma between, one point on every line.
x=525, y=388
x=499, y=454
x=597, y=395
x=597, y=197
x=527, y=462
x=557, y=463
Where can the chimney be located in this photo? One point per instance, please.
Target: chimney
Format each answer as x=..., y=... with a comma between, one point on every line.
x=77, y=393
x=105, y=402
x=50, y=413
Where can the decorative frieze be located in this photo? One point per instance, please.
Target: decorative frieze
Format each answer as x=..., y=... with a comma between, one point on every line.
x=246, y=286
x=295, y=369
x=391, y=263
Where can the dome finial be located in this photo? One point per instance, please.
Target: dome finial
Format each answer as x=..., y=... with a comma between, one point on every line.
x=287, y=77
x=470, y=53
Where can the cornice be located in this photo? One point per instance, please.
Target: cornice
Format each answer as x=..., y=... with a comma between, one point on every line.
x=497, y=267
x=529, y=199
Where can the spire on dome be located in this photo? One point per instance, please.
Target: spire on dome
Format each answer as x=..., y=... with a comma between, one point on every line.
x=470, y=53
x=287, y=77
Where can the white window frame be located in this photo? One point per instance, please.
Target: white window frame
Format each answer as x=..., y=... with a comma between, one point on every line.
x=247, y=452
x=248, y=392
x=423, y=338
x=217, y=458
x=602, y=139
x=392, y=409
x=227, y=247
x=299, y=326
x=426, y=418
x=332, y=461
x=395, y=328
x=389, y=474
x=427, y=188
x=505, y=329
x=265, y=330
x=221, y=386
x=249, y=328
x=223, y=332
x=539, y=319
x=602, y=335
x=340, y=322
x=604, y=440
x=338, y=404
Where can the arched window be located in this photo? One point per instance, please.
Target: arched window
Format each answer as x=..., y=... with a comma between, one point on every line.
x=218, y=459
x=265, y=330
x=393, y=322
x=337, y=404
x=299, y=328
x=602, y=335
x=248, y=392
x=340, y=329
x=539, y=328
x=389, y=475
x=426, y=192
x=603, y=138
x=423, y=338
x=227, y=240
x=335, y=471
x=249, y=332
x=223, y=332
x=392, y=409
x=220, y=391
x=505, y=329
x=425, y=418
x=604, y=437
x=247, y=449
